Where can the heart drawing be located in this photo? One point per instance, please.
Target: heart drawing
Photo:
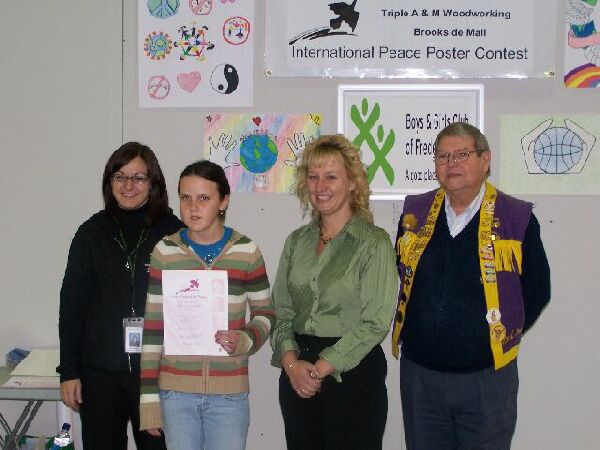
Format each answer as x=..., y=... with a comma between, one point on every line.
x=256, y=121
x=189, y=81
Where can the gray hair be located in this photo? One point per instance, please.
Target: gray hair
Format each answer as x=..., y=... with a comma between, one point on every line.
x=463, y=129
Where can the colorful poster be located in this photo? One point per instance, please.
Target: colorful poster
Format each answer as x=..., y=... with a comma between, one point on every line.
x=195, y=53
x=410, y=38
x=259, y=152
x=549, y=154
x=582, y=49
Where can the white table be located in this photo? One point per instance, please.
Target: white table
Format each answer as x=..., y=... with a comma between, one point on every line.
x=34, y=397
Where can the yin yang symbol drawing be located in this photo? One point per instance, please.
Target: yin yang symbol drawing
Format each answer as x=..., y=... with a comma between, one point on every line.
x=224, y=79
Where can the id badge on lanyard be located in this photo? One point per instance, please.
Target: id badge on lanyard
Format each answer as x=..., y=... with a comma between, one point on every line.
x=133, y=328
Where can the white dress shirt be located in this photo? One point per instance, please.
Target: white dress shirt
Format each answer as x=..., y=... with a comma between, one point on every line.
x=457, y=223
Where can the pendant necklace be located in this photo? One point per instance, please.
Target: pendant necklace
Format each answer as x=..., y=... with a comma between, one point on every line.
x=323, y=239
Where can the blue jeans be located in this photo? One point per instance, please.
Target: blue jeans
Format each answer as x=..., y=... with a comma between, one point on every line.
x=205, y=421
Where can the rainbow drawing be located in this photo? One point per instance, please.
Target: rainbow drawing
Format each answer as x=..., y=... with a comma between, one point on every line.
x=585, y=76
x=582, y=50
x=259, y=152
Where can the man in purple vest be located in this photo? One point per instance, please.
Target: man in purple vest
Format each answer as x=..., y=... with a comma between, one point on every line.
x=475, y=278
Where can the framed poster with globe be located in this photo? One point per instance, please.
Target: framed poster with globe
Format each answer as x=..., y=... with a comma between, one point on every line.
x=260, y=151
x=395, y=126
x=549, y=154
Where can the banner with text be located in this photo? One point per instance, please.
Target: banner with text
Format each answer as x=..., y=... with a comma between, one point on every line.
x=410, y=38
x=395, y=126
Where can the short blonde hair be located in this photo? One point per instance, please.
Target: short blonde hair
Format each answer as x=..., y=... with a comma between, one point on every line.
x=335, y=146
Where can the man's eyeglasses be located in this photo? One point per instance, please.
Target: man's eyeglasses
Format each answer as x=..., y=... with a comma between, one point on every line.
x=459, y=156
x=122, y=179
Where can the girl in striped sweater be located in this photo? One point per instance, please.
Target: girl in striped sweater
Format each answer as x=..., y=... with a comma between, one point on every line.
x=201, y=402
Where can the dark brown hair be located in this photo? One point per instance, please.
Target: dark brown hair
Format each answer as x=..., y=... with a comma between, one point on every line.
x=158, y=200
x=212, y=172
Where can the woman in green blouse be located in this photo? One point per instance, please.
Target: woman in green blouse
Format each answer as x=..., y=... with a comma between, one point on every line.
x=334, y=295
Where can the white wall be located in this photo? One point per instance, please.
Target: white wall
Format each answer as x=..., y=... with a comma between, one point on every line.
x=61, y=115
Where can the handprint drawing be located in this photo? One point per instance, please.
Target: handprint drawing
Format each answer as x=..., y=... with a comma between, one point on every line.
x=296, y=146
x=223, y=152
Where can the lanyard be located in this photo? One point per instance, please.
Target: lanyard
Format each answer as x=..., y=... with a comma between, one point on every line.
x=132, y=257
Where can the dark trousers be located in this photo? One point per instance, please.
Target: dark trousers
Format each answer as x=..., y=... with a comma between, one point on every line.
x=110, y=400
x=451, y=411
x=346, y=416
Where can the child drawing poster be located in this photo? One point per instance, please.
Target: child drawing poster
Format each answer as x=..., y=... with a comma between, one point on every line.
x=195, y=53
x=582, y=50
x=259, y=152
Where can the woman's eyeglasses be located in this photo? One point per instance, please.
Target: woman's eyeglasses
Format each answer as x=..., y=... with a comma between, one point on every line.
x=122, y=179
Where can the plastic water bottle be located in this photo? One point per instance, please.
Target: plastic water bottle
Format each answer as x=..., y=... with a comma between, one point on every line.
x=63, y=438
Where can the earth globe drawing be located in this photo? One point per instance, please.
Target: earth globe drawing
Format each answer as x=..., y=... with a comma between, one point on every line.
x=557, y=150
x=258, y=153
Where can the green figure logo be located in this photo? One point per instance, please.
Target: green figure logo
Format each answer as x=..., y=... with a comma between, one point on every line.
x=380, y=151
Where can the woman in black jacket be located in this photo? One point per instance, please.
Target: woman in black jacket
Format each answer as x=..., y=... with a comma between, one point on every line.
x=103, y=297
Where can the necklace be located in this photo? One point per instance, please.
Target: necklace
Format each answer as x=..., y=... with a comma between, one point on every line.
x=323, y=239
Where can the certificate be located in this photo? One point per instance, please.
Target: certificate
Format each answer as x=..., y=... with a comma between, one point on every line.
x=195, y=306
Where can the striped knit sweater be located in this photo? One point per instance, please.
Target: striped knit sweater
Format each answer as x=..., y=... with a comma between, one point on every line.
x=248, y=287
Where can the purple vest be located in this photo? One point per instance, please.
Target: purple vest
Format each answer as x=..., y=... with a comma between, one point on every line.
x=510, y=220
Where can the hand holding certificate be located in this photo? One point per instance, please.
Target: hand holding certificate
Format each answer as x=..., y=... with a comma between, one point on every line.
x=228, y=339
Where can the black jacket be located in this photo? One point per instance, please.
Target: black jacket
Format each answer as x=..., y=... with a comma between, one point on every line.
x=96, y=295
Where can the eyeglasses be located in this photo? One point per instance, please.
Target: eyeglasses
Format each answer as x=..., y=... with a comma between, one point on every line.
x=459, y=156
x=122, y=179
